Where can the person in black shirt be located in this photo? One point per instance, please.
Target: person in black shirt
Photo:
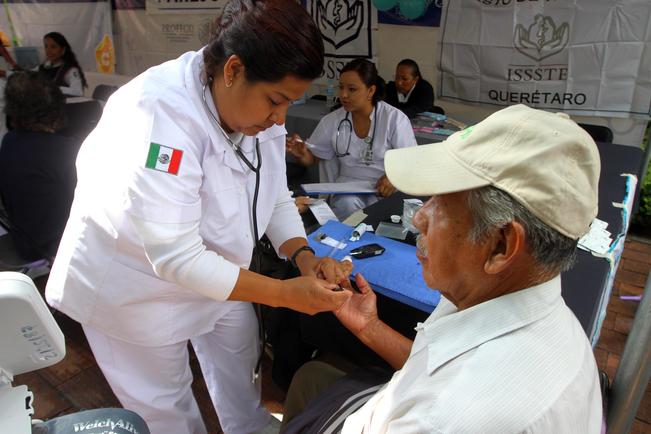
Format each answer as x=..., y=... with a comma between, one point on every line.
x=410, y=92
x=37, y=165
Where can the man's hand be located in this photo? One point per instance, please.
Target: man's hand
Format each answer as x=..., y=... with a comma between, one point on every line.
x=384, y=187
x=310, y=295
x=359, y=315
x=359, y=312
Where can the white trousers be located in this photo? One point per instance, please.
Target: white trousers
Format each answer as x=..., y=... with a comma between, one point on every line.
x=155, y=382
x=344, y=205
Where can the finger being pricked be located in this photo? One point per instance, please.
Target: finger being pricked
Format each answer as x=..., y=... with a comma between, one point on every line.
x=328, y=298
x=347, y=265
x=347, y=285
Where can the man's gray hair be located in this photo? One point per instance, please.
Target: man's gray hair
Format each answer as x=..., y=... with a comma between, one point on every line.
x=492, y=208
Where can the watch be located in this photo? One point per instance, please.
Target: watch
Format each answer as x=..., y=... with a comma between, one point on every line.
x=297, y=252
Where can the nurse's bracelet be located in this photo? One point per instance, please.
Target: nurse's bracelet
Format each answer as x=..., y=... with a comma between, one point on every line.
x=292, y=260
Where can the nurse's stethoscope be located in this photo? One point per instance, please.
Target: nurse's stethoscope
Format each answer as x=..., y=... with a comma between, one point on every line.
x=345, y=123
x=254, y=215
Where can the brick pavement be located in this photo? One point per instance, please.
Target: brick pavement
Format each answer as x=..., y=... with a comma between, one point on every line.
x=630, y=280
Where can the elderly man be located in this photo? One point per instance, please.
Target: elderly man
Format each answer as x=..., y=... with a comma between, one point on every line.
x=502, y=353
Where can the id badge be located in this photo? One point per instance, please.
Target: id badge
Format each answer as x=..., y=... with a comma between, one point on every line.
x=367, y=157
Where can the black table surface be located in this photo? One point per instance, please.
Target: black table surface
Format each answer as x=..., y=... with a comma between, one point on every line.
x=583, y=285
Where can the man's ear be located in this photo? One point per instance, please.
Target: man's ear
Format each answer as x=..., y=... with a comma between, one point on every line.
x=507, y=244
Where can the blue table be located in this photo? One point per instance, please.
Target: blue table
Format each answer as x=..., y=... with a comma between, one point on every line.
x=397, y=273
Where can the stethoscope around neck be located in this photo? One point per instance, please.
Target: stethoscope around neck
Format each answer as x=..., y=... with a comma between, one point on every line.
x=254, y=215
x=236, y=148
x=367, y=156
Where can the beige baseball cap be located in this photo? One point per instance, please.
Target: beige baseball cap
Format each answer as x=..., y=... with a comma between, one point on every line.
x=544, y=160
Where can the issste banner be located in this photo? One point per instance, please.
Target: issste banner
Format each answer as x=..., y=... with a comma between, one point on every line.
x=586, y=57
x=85, y=24
x=213, y=7
x=348, y=29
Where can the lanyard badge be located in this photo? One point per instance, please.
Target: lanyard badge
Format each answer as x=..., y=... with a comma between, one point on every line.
x=367, y=155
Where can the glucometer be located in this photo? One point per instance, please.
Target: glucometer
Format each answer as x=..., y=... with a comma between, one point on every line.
x=367, y=251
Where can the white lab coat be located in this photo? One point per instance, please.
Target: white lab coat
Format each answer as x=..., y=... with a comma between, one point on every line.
x=391, y=130
x=102, y=276
x=122, y=270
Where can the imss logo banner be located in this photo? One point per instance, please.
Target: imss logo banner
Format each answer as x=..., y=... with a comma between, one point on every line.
x=588, y=57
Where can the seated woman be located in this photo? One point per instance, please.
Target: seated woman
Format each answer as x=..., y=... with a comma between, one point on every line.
x=62, y=66
x=410, y=92
x=37, y=165
x=355, y=137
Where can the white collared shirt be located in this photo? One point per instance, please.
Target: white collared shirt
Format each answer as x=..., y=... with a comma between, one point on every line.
x=520, y=363
x=72, y=78
x=405, y=98
x=147, y=256
x=393, y=131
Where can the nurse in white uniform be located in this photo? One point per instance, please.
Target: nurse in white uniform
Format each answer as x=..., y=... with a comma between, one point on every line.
x=350, y=142
x=184, y=171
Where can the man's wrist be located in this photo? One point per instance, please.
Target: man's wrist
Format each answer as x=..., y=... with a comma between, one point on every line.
x=370, y=331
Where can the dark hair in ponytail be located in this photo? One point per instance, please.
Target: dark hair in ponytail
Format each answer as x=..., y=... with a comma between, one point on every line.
x=368, y=74
x=272, y=38
x=69, y=59
x=415, y=70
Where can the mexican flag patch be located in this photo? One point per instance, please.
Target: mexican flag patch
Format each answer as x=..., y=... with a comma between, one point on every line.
x=163, y=158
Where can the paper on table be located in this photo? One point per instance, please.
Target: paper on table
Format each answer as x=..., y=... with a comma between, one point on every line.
x=355, y=218
x=322, y=212
x=598, y=239
x=355, y=187
x=391, y=230
x=333, y=243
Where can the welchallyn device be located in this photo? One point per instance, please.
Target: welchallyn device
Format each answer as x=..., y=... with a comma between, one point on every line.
x=367, y=251
x=30, y=339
